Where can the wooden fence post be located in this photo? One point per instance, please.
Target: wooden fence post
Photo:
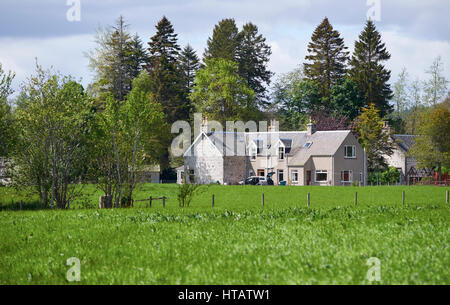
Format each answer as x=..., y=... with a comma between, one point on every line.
x=150, y=201
x=263, y=199
x=356, y=199
x=21, y=203
x=164, y=202
x=213, y=200
x=308, y=197
x=446, y=197
x=403, y=197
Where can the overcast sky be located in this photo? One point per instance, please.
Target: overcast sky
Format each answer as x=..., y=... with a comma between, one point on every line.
x=415, y=31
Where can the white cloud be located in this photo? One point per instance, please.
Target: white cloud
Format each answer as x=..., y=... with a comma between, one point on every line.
x=64, y=54
x=287, y=25
x=282, y=60
x=416, y=55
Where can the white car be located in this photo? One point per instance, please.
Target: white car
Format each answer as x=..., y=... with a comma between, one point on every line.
x=254, y=180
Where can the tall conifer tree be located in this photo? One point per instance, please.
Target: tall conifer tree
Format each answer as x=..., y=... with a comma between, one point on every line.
x=111, y=61
x=188, y=65
x=224, y=42
x=327, y=58
x=253, y=57
x=368, y=71
x=165, y=81
x=162, y=67
x=137, y=56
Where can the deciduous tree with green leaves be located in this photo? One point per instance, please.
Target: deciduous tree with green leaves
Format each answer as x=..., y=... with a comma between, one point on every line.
x=143, y=125
x=435, y=88
x=7, y=134
x=54, y=119
x=432, y=143
x=401, y=97
x=295, y=98
x=221, y=94
x=126, y=141
x=117, y=59
x=373, y=137
x=346, y=99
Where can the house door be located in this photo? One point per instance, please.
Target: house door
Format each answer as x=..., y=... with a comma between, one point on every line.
x=308, y=177
x=280, y=175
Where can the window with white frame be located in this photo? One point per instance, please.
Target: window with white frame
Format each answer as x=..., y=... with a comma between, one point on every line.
x=280, y=175
x=294, y=176
x=350, y=151
x=346, y=176
x=281, y=152
x=321, y=176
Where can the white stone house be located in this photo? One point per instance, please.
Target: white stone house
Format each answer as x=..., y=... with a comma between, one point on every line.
x=299, y=158
x=400, y=159
x=405, y=164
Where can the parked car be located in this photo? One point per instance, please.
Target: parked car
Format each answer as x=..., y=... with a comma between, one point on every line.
x=254, y=180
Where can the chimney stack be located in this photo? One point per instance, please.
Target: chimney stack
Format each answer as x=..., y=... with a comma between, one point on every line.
x=204, y=128
x=311, y=127
x=274, y=126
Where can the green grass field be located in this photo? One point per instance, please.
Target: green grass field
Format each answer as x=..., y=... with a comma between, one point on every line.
x=236, y=242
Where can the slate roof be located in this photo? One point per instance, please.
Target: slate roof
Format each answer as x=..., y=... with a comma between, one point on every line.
x=405, y=142
x=324, y=143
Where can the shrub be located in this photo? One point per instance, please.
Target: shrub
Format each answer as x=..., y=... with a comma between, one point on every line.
x=186, y=193
x=392, y=175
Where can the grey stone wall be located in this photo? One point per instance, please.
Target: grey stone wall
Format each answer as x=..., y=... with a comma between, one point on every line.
x=234, y=169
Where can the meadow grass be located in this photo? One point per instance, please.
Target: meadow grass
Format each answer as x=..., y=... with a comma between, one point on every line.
x=236, y=242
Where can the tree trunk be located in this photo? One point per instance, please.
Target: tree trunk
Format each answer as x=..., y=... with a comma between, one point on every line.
x=133, y=162
x=53, y=180
x=118, y=169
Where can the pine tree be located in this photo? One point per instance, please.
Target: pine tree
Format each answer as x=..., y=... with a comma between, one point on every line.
x=188, y=65
x=165, y=82
x=165, y=42
x=253, y=57
x=110, y=61
x=120, y=44
x=327, y=57
x=368, y=71
x=137, y=56
x=224, y=42
x=166, y=86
